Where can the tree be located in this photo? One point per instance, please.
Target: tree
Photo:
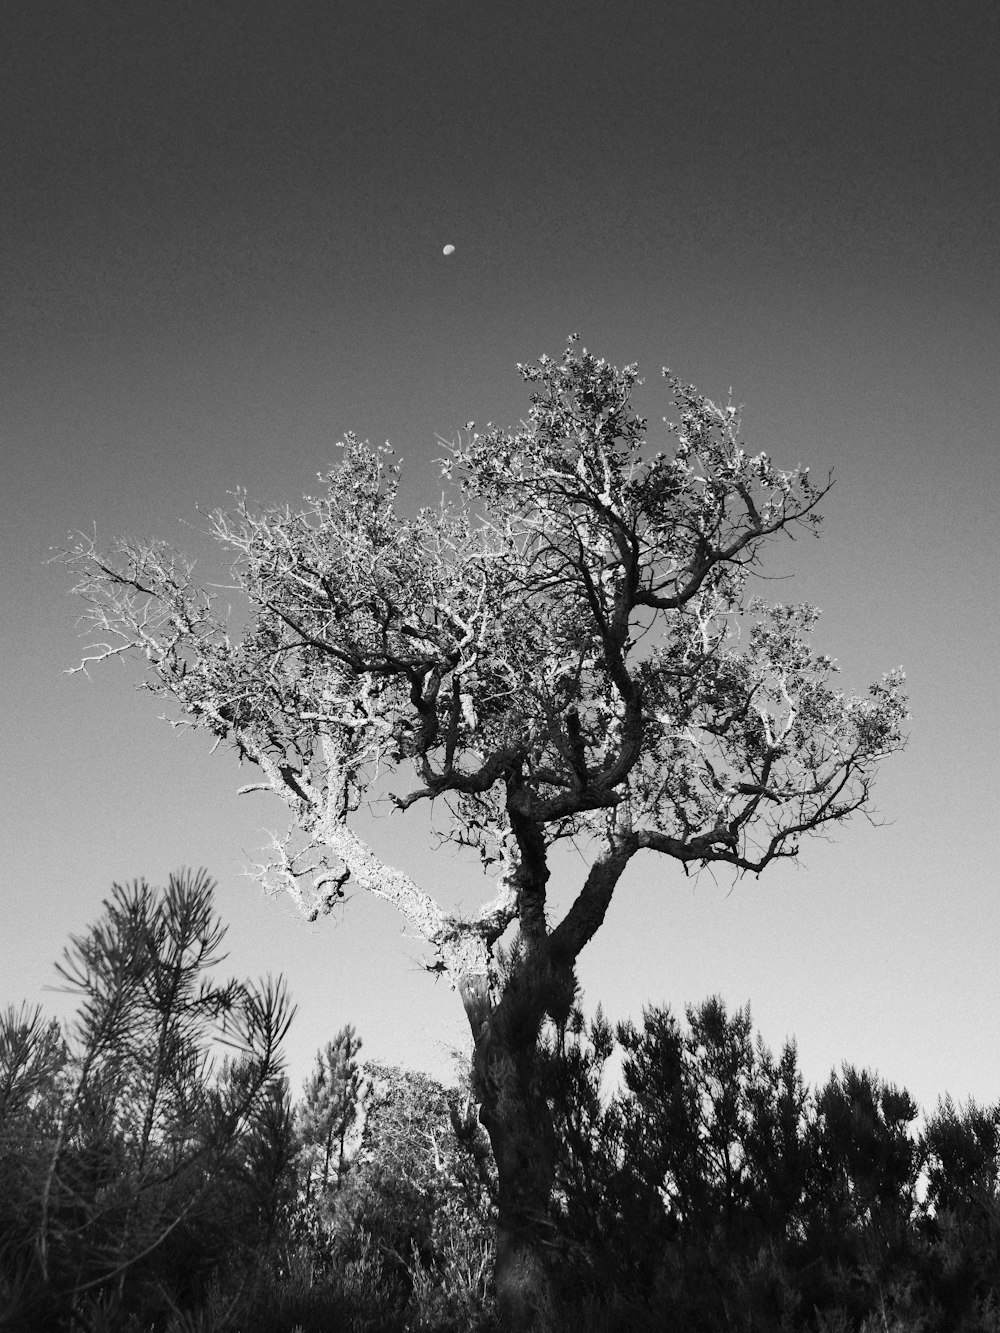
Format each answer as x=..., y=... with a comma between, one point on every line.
x=264, y=1172
x=961, y=1148
x=416, y=1189
x=118, y=1133
x=333, y=1096
x=33, y=1056
x=566, y=648
x=682, y=1193
x=867, y=1161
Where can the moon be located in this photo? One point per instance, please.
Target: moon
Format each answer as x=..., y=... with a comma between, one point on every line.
x=448, y=250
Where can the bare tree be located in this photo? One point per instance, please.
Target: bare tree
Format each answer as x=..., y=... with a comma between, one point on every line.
x=566, y=648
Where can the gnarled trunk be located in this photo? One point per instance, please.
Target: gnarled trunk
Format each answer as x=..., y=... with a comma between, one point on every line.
x=516, y=1115
x=519, y=1124
x=520, y=1130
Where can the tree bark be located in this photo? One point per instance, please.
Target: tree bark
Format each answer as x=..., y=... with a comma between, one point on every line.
x=525, y=1168
x=515, y=1113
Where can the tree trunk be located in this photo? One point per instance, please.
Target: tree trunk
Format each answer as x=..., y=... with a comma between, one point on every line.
x=525, y=1167
x=515, y=1114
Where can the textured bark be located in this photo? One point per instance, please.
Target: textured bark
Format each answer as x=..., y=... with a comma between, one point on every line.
x=515, y=1114
x=523, y=1282
x=520, y=1128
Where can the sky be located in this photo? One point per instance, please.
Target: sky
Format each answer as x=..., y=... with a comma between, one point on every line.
x=222, y=249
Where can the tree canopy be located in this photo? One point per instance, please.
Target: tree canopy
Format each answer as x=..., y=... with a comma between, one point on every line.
x=566, y=646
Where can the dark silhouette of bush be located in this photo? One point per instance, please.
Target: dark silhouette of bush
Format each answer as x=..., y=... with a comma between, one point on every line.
x=121, y=1136
x=146, y=1189
x=713, y=1190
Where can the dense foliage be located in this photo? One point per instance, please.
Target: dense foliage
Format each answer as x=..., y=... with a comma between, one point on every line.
x=147, y=1186
x=139, y=1142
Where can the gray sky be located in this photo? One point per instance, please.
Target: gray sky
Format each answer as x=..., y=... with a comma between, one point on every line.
x=222, y=249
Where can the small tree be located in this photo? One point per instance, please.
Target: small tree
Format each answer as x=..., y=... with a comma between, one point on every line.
x=962, y=1147
x=332, y=1099
x=33, y=1056
x=867, y=1160
x=119, y=1133
x=565, y=648
x=416, y=1191
x=961, y=1150
x=695, y=1169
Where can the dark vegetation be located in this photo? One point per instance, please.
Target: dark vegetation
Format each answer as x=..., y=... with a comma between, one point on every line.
x=157, y=1174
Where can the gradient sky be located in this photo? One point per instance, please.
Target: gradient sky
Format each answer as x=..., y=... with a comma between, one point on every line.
x=222, y=249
